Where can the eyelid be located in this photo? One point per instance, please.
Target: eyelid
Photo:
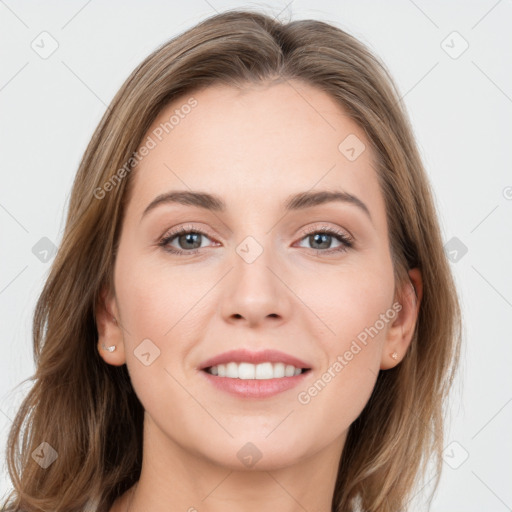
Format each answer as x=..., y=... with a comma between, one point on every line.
x=324, y=227
x=186, y=229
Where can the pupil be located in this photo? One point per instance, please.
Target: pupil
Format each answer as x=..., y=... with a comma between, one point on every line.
x=189, y=238
x=323, y=236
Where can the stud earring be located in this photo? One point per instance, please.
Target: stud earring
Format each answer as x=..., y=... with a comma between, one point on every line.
x=109, y=349
x=394, y=355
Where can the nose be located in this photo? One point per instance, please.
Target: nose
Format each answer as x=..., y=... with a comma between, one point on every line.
x=255, y=292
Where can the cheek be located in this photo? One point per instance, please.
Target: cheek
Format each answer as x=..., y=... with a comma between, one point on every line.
x=156, y=301
x=358, y=312
x=355, y=310
x=352, y=301
x=154, y=313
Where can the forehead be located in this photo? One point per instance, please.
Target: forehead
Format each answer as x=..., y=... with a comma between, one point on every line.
x=255, y=145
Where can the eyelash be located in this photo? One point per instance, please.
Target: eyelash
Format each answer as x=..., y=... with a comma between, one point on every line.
x=346, y=240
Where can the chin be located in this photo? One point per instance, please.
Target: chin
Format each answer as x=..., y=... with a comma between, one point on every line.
x=255, y=453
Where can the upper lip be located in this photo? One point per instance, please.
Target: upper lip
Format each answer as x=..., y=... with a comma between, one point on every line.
x=247, y=356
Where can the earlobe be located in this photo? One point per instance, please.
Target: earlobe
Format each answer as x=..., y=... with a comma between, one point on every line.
x=110, y=335
x=401, y=332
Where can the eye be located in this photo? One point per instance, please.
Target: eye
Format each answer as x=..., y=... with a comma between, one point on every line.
x=189, y=240
x=322, y=238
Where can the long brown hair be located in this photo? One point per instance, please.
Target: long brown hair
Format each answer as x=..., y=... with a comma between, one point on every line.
x=87, y=410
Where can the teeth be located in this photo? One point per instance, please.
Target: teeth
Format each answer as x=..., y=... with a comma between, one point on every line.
x=262, y=371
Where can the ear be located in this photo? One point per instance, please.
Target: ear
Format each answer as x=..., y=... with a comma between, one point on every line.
x=110, y=332
x=401, y=331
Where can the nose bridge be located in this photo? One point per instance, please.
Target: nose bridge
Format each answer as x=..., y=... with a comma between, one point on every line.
x=254, y=259
x=254, y=291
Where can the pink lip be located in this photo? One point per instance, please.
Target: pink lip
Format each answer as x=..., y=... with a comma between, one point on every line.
x=246, y=356
x=254, y=388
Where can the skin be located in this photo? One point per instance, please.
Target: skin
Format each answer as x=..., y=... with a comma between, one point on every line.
x=253, y=148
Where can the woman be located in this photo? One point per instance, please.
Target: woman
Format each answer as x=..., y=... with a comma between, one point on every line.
x=295, y=356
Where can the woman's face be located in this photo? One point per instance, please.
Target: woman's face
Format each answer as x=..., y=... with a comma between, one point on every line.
x=256, y=271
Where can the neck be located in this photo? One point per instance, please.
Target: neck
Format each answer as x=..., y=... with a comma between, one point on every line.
x=174, y=479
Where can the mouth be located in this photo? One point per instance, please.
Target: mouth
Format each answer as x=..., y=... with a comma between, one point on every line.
x=262, y=384
x=249, y=371
x=247, y=374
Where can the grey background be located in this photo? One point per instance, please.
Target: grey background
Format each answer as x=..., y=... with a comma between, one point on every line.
x=460, y=105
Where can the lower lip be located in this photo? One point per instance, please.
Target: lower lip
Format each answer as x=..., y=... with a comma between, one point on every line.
x=255, y=388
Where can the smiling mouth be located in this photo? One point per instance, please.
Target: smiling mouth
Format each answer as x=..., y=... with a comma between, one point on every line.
x=250, y=371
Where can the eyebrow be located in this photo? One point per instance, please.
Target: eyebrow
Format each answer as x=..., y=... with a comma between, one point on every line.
x=295, y=202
